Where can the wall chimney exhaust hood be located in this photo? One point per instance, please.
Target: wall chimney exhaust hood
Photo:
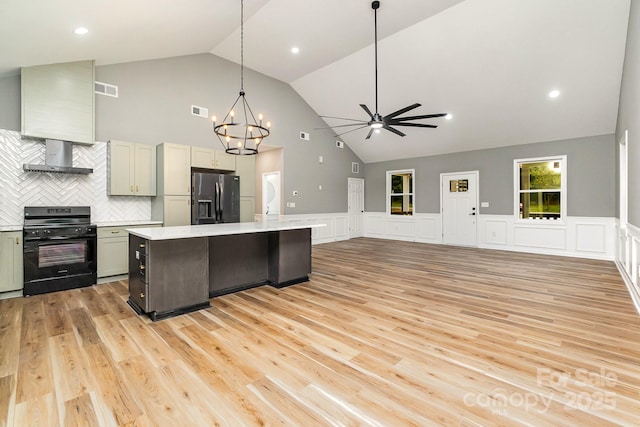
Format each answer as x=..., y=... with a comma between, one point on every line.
x=58, y=159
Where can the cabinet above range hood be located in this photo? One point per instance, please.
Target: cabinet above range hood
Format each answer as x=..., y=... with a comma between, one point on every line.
x=58, y=159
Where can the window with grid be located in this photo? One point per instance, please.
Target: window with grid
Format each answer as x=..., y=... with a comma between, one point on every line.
x=400, y=192
x=541, y=188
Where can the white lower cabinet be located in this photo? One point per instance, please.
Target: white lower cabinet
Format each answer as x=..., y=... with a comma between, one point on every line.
x=113, y=250
x=11, y=276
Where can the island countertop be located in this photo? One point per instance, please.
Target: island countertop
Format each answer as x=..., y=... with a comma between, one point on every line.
x=207, y=230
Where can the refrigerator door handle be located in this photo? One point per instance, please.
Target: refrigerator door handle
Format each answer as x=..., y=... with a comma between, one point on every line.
x=217, y=203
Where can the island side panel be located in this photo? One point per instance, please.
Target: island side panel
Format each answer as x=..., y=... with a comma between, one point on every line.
x=237, y=261
x=178, y=273
x=138, y=292
x=289, y=257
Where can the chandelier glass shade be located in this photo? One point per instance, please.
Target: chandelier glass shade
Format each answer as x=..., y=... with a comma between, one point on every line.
x=240, y=133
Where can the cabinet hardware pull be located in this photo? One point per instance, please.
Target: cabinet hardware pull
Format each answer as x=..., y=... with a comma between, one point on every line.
x=137, y=191
x=115, y=232
x=17, y=240
x=132, y=188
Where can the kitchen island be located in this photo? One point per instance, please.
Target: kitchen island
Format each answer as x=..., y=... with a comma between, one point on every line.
x=175, y=270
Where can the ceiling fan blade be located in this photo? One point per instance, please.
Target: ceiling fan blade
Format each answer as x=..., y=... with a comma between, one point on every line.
x=342, y=126
x=396, y=131
x=415, y=125
x=342, y=118
x=365, y=108
x=340, y=134
x=404, y=110
x=369, y=134
x=423, y=116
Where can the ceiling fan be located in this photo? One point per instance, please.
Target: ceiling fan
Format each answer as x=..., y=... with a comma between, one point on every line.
x=378, y=121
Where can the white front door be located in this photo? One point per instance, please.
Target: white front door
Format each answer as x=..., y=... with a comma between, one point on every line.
x=356, y=207
x=459, y=201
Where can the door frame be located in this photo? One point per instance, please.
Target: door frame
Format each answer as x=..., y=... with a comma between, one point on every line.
x=349, y=181
x=477, y=201
x=265, y=175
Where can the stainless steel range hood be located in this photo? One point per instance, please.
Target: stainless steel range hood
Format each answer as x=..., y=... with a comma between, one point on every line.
x=58, y=159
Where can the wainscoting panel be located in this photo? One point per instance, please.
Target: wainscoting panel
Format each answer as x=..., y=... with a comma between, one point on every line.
x=627, y=250
x=584, y=237
x=541, y=237
x=591, y=238
x=428, y=228
x=495, y=232
x=401, y=229
x=335, y=225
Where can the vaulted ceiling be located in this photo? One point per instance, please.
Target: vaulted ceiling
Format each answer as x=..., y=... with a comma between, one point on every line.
x=490, y=63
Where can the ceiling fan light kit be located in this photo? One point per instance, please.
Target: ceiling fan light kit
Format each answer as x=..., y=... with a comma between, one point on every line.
x=390, y=121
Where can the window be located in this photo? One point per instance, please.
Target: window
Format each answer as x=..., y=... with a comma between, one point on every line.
x=541, y=188
x=400, y=192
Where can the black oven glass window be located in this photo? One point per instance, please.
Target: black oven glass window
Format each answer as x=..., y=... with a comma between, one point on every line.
x=61, y=254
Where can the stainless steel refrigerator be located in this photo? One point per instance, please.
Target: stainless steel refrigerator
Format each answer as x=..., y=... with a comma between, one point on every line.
x=215, y=198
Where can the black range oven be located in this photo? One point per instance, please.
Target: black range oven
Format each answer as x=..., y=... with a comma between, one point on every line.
x=59, y=248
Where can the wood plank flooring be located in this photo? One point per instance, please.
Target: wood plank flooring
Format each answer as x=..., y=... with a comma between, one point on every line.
x=385, y=333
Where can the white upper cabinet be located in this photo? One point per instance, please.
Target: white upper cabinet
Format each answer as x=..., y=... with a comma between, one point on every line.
x=58, y=101
x=208, y=158
x=174, y=170
x=131, y=169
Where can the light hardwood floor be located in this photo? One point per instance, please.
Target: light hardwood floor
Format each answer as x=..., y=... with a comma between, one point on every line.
x=385, y=333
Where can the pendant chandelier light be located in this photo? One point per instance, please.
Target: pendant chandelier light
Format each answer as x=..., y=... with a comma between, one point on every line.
x=241, y=134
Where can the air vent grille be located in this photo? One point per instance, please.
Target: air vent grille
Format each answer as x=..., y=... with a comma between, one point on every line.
x=106, y=89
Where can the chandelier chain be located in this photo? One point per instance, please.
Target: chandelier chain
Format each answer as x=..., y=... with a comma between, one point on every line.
x=242, y=45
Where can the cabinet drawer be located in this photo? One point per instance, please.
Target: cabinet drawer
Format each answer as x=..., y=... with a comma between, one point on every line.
x=106, y=232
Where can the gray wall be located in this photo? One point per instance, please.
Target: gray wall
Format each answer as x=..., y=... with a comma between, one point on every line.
x=154, y=106
x=590, y=179
x=10, y=103
x=629, y=111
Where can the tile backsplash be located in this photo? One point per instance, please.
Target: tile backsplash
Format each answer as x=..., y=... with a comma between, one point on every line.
x=19, y=188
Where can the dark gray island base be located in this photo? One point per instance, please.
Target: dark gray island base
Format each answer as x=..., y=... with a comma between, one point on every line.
x=179, y=275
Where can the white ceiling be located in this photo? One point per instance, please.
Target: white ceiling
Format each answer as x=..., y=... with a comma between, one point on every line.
x=491, y=63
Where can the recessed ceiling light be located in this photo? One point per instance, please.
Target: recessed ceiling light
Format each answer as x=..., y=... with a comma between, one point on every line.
x=295, y=49
x=81, y=31
x=554, y=93
x=448, y=117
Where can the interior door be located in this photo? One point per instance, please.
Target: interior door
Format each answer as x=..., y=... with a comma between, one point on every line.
x=459, y=198
x=356, y=207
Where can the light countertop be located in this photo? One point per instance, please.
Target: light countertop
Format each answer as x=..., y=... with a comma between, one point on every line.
x=10, y=228
x=134, y=223
x=189, y=231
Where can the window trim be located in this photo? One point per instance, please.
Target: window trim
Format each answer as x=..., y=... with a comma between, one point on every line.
x=563, y=190
x=413, y=194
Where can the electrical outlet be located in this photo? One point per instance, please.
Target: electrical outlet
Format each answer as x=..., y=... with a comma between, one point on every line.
x=304, y=135
x=292, y=204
